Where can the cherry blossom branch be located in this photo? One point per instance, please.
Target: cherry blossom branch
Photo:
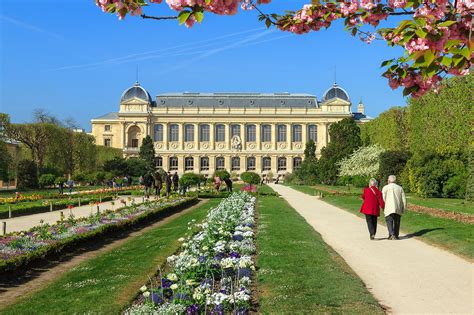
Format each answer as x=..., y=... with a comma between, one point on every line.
x=158, y=17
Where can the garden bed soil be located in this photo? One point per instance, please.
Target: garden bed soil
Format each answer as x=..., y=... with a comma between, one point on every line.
x=457, y=216
x=19, y=283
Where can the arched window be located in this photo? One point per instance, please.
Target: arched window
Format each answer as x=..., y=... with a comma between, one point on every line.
x=266, y=133
x=297, y=162
x=235, y=130
x=174, y=132
x=159, y=162
x=251, y=133
x=204, y=133
x=173, y=163
x=297, y=133
x=188, y=164
x=188, y=133
x=251, y=163
x=158, y=132
x=313, y=133
x=281, y=133
x=282, y=164
x=236, y=163
x=204, y=163
x=220, y=133
x=134, y=133
x=266, y=163
x=220, y=163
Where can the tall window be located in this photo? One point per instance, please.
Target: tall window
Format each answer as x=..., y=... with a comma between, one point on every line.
x=173, y=163
x=220, y=163
x=267, y=163
x=107, y=142
x=282, y=163
x=251, y=163
x=281, y=133
x=174, y=132
x=235, y=163
x=251, y=133
x=204, y=163
x=134, y=143
x=188, y=164
x=313, y=132
x=107, y=128
x=220, y=133
x=159, y=162
x=188, y=133
x=296, y=162
x=297, y=136
x=158, y=132
x=266, y=133
x=204, y=133
x=234, y=130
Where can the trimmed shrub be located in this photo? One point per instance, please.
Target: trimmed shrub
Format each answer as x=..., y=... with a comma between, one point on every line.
x=47, y=180
x=27, y=174
x=250, y=178
x=188, y=179
x=222, y=174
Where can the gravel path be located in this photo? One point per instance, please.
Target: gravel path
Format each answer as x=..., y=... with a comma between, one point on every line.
x=407, y=276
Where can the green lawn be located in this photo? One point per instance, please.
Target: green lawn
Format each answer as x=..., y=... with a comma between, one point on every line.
x=298, y=273
x=452, y=235
x=447, y=204
x=106, y=283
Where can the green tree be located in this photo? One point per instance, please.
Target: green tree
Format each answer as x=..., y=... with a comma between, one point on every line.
x=310, y=149
x=5, y=162
x=27, y=174
x=250, y=178
x=147, y=153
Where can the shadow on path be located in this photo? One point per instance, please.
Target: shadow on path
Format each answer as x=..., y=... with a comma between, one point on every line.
x=419, y=233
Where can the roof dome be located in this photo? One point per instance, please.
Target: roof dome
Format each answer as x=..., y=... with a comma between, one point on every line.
x=335, y=91
x=136, y=91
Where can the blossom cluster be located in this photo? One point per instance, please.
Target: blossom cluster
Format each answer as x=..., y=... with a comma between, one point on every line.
x=362, y=162
x=17, y=244
x=212, y=272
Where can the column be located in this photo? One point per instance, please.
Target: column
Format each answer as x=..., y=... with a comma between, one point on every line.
x=258, y=137
x=180, y=164
x=243, y=135
x=289, y=163
x=227, y=163
x=288, y=136
x=123, y=135
x=227, y=135
x=258, y=164
x=243, y=163
x=165, y=136
x=181, y=136
x=304, y=136
x=166, y=161
x=212, y=132
x=212, y=164
x=197, y=164
x=322, y=132
x=196, y=137
x=274, y=136
x=274, y=165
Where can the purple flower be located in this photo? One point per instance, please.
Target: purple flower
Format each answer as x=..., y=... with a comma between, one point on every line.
x=237, y=237
x=234, y=255
x=156, y=299
x=192, y=309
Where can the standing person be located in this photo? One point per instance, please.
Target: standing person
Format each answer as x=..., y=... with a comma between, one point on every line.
x=148, y=182
x=395, y=206
x=158, y=184
x=168, y=184
x=61, y=187
x=371, y=205
x=217, y=181
x=228, y=183
x=175, y=181
x=70, y=185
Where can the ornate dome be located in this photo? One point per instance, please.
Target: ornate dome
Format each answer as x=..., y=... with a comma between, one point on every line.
x=335, y=92
x=136, y=91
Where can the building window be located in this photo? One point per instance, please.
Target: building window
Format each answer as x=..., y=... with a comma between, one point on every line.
x=266, y=133
x=107, y=142
x=251, y=133
x=236, y=163
x=282, y=164
x=297, y=136
x=296, y=163
x=134, y=143
x=313, y=133
x=220, y=163
x=267, y=163
x=251, y=164
x=173, y=163
x=204, y=163
x=220, y=133
x=158, y=132
x=204, y=133
x=281, y=133
x=174, y=132
x=107, y=128
x=159, y=162
x=188, y=133
x=234, y=130
x=188, y=164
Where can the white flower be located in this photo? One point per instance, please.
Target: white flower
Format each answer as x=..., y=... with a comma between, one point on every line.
x=143, y=289
x=181, y=239
x=174, y=286
x=172, y=276
x=146, y=294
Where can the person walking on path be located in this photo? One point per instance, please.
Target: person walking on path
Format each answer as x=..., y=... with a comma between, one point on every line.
x=371, y=205
x=175, y=181
x=395, y=206
x=70, y=184
x=168, y=184
x=217, y=181
x=148, y=182
x=158, y=184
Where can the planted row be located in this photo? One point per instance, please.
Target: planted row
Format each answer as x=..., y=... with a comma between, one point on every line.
x=21, y=248
x=212, y=273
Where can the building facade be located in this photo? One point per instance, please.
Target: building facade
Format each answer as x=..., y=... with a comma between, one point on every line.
x=205, y=132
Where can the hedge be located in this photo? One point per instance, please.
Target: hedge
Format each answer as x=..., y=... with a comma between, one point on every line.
x=72, y=243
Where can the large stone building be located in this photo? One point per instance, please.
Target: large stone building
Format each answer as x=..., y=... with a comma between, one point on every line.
x=204, y=132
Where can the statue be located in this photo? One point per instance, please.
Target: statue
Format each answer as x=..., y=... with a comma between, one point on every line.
x=236, y=143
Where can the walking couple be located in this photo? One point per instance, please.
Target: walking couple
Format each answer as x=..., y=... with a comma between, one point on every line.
x=391, y=199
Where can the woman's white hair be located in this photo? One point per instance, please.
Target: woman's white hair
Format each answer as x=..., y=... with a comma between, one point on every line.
x=392, y=179
x=372, y=182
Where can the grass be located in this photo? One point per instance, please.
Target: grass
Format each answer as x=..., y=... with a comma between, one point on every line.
x=298, y=273
x=108, y=282
x=452, y=235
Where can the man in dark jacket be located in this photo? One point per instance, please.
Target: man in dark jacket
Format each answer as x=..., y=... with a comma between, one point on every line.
x=168, y=184
x=158, y=184
x=148, y=182
x=228, y=183
x=175, y=181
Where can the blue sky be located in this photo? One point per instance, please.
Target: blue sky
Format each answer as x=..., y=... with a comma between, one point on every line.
x=75, y=61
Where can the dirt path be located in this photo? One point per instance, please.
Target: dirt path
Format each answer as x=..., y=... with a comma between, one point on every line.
x=40, y=276
x=408, y=276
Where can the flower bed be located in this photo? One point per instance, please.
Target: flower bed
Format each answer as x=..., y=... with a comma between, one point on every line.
x=20, y=249
x=212, y=273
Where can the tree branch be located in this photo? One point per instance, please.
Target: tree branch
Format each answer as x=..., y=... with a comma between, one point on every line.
x=159, y=17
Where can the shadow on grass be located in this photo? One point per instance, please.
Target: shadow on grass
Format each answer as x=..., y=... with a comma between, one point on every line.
x=420, y=233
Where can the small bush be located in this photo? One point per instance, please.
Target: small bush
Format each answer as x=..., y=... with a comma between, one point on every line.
x=250, y=178
x=222, y=174
x=189, y=179
x=59, y=180
x=47, y=180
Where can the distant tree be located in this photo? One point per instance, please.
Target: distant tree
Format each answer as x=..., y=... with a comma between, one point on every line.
x=310, y=150
x=147, y=153
x=250, y=178
x=5, y=162
x=27, y=174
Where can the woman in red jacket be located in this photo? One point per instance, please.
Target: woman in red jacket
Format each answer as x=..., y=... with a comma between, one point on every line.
x=371, y=205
